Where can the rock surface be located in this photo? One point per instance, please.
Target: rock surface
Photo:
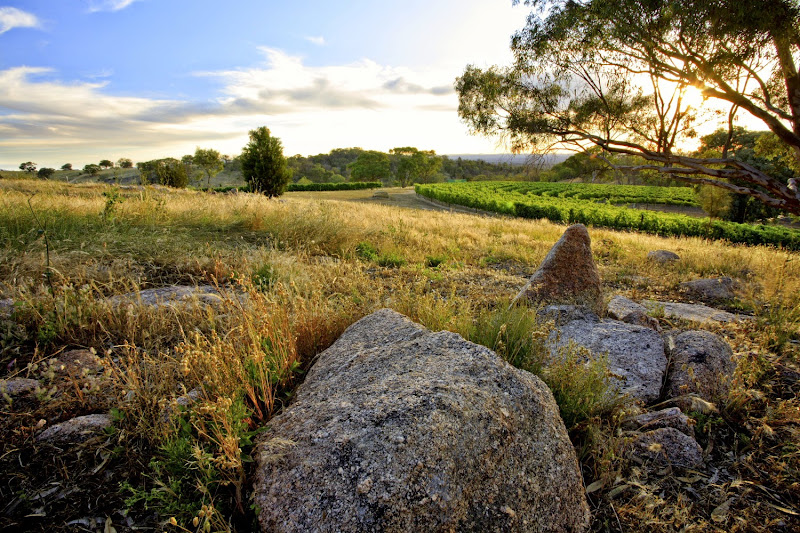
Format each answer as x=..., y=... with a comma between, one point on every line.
x=668, y=446
x=635, y=353
x=75, y=430
x=206, y=294
x=400, y=429
x=711, y=289
x=620, y=307
x=665, y=418
x=663, y=256
x=6, y=307
x=568, y=274
x=630, y=312
x=692, y=312
x=564, y=314
x=701, y=364
x=18, y=386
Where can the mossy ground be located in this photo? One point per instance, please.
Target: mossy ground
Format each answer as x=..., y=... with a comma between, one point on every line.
x=301, y=261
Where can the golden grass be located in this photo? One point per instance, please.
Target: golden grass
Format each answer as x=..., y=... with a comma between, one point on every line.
x=247, y=354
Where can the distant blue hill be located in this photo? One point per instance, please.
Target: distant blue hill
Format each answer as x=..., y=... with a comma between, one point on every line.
x=514, y=159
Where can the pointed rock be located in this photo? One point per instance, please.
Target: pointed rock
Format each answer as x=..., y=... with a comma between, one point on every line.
x=568, y=274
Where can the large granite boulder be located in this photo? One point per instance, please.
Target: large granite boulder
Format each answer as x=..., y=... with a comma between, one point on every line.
x=400, y=429
x=636, y=356
x=701, y=364
x=568, y=274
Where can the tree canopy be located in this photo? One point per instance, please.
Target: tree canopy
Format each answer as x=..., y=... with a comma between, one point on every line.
x=28, y=166
x=209, y=161
x=617, y=74
x=263, y=164
x=371, y=166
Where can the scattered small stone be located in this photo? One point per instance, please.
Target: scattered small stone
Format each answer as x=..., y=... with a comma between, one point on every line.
x=665, y=418
x=18, y=386
x=663, y=256
x=712, y=289
x=181, y=401
x=668, y=446
x=76, y=430
x=701, y=364
x=568, y=274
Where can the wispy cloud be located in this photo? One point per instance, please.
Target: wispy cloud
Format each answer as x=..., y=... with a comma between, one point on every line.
x=319, y=40
x=11, y=17
x=108, y=5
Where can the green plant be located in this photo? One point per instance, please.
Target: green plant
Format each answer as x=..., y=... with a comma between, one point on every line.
x=580, y=382
x=113, y=198
x=263, y=277
x=390, y=260
x=366, y=251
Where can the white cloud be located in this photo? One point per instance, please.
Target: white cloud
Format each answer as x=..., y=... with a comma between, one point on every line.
x=312, y=109
x=318, y=40
x=11, y=17
x=108, y=5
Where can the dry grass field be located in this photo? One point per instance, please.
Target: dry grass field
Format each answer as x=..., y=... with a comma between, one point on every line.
x=293, y=274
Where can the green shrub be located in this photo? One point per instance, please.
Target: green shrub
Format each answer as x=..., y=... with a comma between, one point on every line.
x=352, y=186
x=390, y=260
x=366, y=251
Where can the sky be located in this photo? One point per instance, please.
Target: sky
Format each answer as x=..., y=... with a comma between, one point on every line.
x=85, y=80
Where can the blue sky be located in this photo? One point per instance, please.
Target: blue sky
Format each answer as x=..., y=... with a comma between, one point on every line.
x=84, y=80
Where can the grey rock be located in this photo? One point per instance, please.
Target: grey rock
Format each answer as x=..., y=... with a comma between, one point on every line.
x=663, y=256
x=76, y=430
x=184, y=400
x=563, y=314
x=640, y=318
x=168, y=296
x=6, y=307
x=630, y=312
x=712, y=289
x=619, y=307
x=699, y=313
x=668, y=446
x=400, y=429
x=18, y=386
x=568, y=274
x=381, y=195
x=701, y=364
x=77, y=363
x=635, y=353
x=665, y=418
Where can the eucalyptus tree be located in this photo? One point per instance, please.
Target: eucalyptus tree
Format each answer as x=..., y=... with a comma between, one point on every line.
x=619, y=74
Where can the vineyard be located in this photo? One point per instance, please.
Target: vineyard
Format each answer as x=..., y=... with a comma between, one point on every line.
x=594, y=205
